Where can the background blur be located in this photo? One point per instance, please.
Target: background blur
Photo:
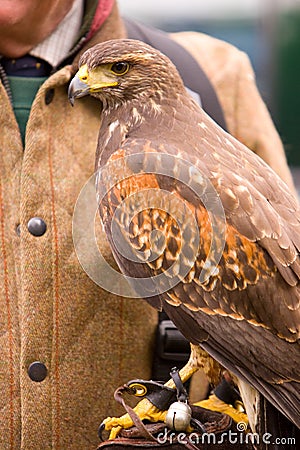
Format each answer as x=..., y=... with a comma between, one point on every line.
x=267, y=30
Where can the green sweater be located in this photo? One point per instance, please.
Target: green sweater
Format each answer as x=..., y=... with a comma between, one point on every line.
x=24, y=90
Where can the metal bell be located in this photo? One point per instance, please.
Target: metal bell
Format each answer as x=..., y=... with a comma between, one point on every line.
x=178, y=416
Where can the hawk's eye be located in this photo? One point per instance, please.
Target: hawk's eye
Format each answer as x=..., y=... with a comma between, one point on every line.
x=120, y=68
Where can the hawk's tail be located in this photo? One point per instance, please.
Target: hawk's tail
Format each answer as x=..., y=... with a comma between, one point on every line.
x=275, y=430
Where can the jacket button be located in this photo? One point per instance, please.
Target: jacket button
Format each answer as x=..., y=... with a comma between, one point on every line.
x=49, y=95
x=36, y=226
x=37, y=371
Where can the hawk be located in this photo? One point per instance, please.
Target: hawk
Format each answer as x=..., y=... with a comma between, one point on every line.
x=199, y=224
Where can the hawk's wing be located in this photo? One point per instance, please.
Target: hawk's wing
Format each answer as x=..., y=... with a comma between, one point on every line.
x=249, y=305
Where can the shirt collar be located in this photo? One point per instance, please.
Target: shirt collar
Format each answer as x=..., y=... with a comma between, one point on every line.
x=55, y=48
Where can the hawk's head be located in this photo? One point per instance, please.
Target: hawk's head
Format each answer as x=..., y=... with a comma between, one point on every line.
x=120, y=70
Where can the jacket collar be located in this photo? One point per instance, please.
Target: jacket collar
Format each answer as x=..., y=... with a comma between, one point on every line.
x=102, y=11
x=101, y=22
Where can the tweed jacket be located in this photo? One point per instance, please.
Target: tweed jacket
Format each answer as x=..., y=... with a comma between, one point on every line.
x=87, y=340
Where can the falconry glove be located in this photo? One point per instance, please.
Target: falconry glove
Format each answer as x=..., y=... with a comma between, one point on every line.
x=208, y=428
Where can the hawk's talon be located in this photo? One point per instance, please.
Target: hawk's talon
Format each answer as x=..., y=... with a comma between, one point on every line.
x=114, y=432
x=100, y=431
x=215, y=404
x=144, y=409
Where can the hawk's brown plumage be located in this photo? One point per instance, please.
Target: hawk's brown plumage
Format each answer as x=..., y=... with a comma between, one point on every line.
x=246, y=313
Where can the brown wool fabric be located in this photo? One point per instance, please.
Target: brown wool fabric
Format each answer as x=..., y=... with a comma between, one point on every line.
x=51, y=311
x=247, y=117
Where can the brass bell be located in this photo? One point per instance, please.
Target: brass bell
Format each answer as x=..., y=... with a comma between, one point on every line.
x=178, y=416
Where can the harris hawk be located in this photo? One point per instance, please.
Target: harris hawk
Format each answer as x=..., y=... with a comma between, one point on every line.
x=201, y=226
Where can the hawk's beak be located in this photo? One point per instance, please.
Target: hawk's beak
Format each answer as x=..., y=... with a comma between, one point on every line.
x=77, y=88
x=88, y=81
